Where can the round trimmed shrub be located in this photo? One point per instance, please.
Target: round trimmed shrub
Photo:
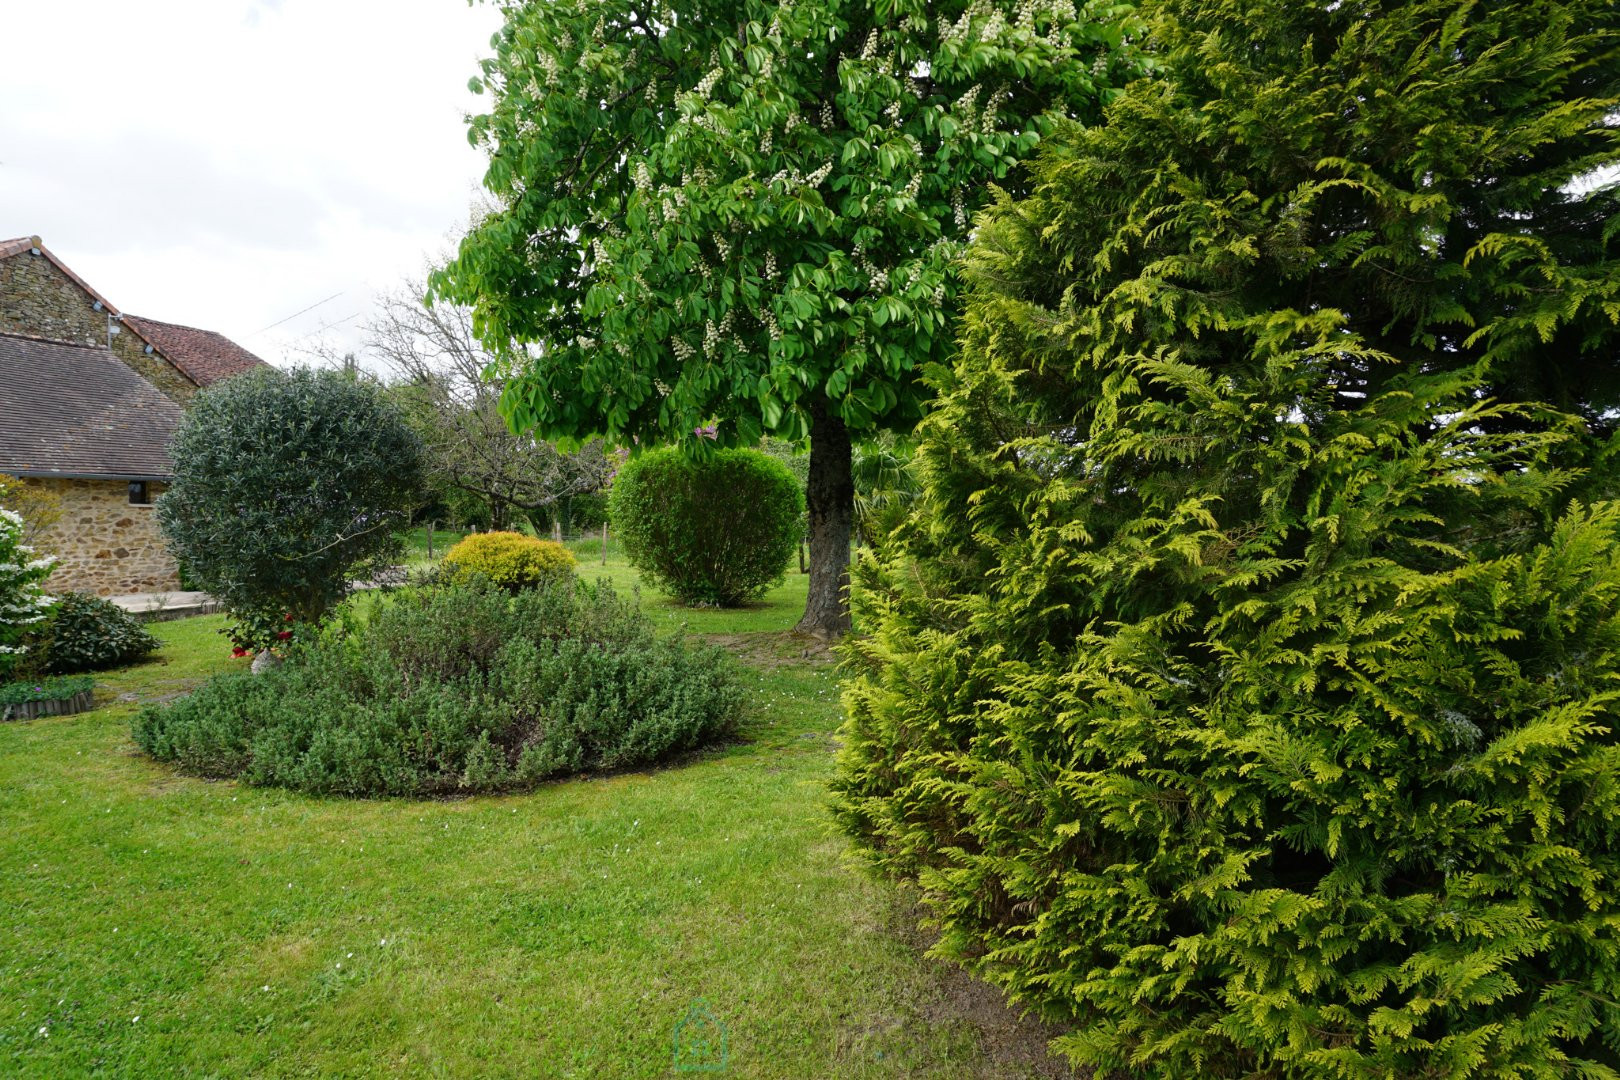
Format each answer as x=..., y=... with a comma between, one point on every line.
x=454, y=690
x=289, y=486
x=717, y=529
x=89, y=633
x=508, y=559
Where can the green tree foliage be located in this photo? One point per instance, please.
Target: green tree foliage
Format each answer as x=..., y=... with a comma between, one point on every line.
x=795, y=456
x=37, y=505
x=885, y=486
x=749, y=215
x=288, y=486
x=1243, y=690
x=716, y=529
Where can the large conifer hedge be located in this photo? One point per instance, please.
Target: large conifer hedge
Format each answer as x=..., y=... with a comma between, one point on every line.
x=1244, y=689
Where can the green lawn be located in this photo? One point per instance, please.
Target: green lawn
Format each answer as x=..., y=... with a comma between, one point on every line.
x=416, y=545
x=778, y=610
x=156, y=925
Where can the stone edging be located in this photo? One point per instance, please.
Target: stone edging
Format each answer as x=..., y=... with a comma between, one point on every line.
x=31, y=710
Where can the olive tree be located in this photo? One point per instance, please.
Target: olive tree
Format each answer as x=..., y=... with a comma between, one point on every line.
x=288, y=487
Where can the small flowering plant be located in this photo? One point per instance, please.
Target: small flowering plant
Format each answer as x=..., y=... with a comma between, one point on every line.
x=251, y=635
x=23, y=600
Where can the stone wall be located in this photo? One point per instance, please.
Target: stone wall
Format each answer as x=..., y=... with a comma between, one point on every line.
x=131, y=349
x=38, y=300
x=106, y=545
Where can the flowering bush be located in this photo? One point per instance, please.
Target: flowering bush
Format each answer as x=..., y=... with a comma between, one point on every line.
x=255, y=632
x=23, y=601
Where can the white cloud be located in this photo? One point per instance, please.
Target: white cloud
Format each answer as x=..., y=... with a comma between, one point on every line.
x=224, y=163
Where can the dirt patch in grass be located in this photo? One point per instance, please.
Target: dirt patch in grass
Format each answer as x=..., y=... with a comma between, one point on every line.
x=155, y=692
x=772, y=650
x=1016, y=1045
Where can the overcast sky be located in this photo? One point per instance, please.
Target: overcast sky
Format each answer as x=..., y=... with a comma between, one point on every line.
x=226, y=163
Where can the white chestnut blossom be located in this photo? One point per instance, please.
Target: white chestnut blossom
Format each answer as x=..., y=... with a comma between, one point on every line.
x=706, y=85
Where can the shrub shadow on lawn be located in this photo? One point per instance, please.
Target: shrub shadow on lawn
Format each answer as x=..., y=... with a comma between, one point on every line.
x=770, y=650
x=1015, y=1045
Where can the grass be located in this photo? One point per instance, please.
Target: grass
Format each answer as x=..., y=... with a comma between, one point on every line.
x=776, y=611
x=156, y=925
x=417, y=546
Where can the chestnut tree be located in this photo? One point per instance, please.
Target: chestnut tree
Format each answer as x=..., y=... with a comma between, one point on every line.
x=748, y=215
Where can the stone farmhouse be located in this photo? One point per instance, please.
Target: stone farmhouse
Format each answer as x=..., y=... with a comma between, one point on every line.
x=89, y=398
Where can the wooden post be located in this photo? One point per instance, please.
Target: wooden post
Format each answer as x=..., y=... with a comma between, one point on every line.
x=431, y=526
x=604, y=543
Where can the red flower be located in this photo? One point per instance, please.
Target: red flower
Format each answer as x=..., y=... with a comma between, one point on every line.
x=288, y=618
x=283, y=635
x=238, y=651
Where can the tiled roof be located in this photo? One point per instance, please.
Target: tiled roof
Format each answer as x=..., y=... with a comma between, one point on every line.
x=204, y=356
x=82, y=412
x=21, y=244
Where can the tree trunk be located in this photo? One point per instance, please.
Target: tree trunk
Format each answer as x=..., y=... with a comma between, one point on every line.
x=832, y=508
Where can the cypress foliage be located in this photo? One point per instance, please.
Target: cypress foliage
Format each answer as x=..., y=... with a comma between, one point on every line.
x=1244, y=687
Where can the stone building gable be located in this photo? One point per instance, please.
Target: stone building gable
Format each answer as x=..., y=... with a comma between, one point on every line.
x=153, y=366
x=39, y=297
x=38, y=300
